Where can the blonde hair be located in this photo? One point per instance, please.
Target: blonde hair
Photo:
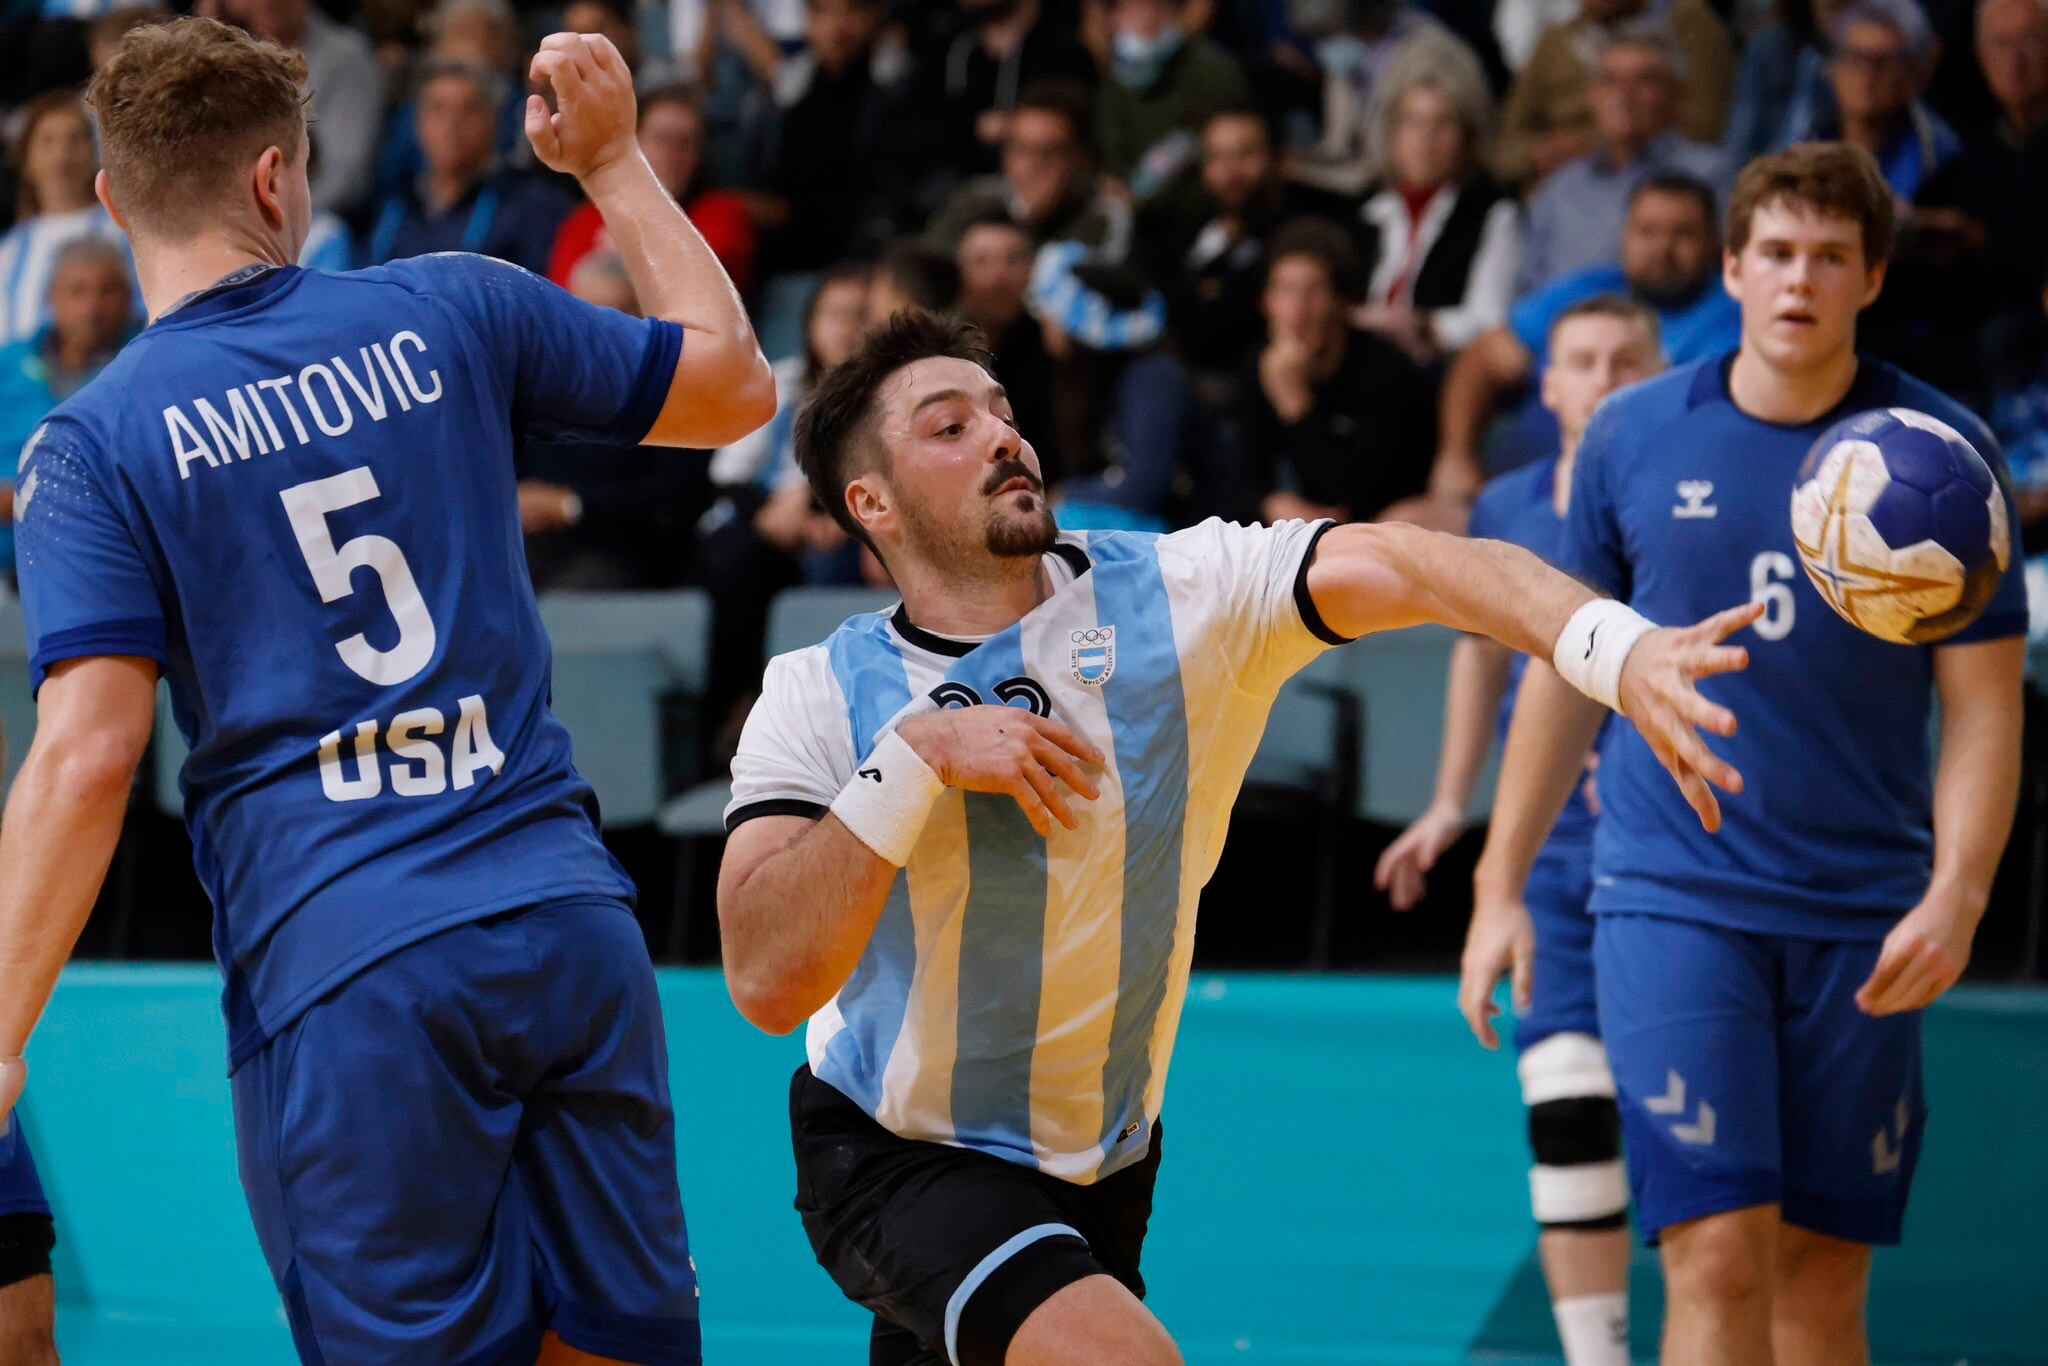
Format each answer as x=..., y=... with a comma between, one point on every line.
x=184, y=108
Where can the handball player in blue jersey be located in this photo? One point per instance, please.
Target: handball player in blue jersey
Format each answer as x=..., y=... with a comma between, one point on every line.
x=1577, y=1189
x=292, y=497
x=1760, y=988
x=969, y=836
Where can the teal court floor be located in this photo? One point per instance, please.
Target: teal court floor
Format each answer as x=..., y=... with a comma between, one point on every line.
x=1344, y=1183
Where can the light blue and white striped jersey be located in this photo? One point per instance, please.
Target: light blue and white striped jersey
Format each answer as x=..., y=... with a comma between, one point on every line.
x=1020, y=995
x=28, y=261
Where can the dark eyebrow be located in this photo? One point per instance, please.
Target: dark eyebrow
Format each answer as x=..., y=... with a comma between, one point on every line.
x=942, y=395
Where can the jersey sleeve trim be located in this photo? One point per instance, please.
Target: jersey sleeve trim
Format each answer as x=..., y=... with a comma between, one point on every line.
x=142, y=636
x=1995, y=626
x=651, y=384
x=780, y=806
x=1311, y=617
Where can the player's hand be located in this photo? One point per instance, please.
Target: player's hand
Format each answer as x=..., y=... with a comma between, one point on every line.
x=13, y=1076
x=1659, y=692
x=593, y=123
x=1500, y=942
x=1011, y=751
x=1401, y=868
x=1922, y=958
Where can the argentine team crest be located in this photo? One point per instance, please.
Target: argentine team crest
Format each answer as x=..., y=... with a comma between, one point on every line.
x=1093, y=658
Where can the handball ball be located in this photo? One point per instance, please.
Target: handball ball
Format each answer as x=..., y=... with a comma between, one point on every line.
x=1901, y=525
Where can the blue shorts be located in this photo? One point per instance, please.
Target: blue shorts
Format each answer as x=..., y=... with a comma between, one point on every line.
x=470, y=1143
x=1747, y=1076
x=20, y=1190
x=1563, y=1001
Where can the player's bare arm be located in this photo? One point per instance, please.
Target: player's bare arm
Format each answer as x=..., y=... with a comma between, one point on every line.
x=1553, y=730
x=63, y=818
x=1976, y=787
x=798, y=899
x=1386, y=576
x=1479, y=674
x=723, y=387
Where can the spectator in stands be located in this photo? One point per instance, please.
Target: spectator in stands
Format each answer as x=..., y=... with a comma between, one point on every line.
x=1519, y=24
x=91, y=309
x=912, y=273
x=54, y=160
x=1163, y=84
x=602, y=517
x=614, y=19
x=462, y=201
x=766, y=532
x=1336, y=421
x=1548, y=119
x=343, y=71
x=1363, y=49
x=110, y=28
x=1783, y=79
x=1439, y=240
x=1049, y=183
x=1880, y=59
x=971, y=81
x=1985, y=214
x=836, y=182
x=1670, y=261
x=2019, y=418
x=672, y=139
x=479, y=33
x=994, y=261
x=1576, y=216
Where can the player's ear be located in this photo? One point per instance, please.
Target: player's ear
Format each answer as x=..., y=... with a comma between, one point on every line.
x=106, y=198
x=268, y=182
x=1731, y=273
x=1873, y=285
x=867, y=498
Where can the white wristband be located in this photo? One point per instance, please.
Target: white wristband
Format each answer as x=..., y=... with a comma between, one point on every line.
x=1594, y=645
x=886, y=801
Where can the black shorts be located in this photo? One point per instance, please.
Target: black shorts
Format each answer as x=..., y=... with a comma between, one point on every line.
x=952, y=1249
x=25, y=1243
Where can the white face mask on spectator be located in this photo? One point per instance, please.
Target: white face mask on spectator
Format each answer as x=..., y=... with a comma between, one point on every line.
x=1141, y=60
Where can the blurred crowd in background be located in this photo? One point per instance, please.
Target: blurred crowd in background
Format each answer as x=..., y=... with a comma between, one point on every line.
x=1256, y=258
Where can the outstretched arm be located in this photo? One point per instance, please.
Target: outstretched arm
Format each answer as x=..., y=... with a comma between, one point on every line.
x=723, y=387
x=1387, y=575
x=63, y=818
x=1976, y=787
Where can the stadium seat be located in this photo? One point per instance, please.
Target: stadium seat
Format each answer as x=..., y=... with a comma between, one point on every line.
x=798, y=617
x=17, y=707
x=1307, y=766
x=1401, y=676
x=627, y=669
x=622, y=661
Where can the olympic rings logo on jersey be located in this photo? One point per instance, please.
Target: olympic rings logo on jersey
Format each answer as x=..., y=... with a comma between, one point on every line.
x=1093, y=658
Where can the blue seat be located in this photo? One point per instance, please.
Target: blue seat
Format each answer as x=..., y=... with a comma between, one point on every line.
x=622, y=663
x=798, y=617
x=17, y=707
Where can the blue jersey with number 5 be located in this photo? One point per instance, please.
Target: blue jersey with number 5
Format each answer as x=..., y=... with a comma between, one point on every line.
x=295, y=493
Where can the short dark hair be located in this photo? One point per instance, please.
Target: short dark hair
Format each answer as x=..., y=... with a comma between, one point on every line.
x=1830, y=178
x=1326, y=243
x=1608, y=306
x=929, y=276
x=1249, y=113
x=1680, y=184
x=1065, y=100
x=834, y=443
x=679, y=93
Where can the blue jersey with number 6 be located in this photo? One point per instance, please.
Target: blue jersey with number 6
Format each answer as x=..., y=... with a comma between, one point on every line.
x=295, y=493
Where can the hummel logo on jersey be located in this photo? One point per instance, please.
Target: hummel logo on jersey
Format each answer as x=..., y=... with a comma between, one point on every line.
x=1093, y=657
x=1695, y=492
x=874, y=773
